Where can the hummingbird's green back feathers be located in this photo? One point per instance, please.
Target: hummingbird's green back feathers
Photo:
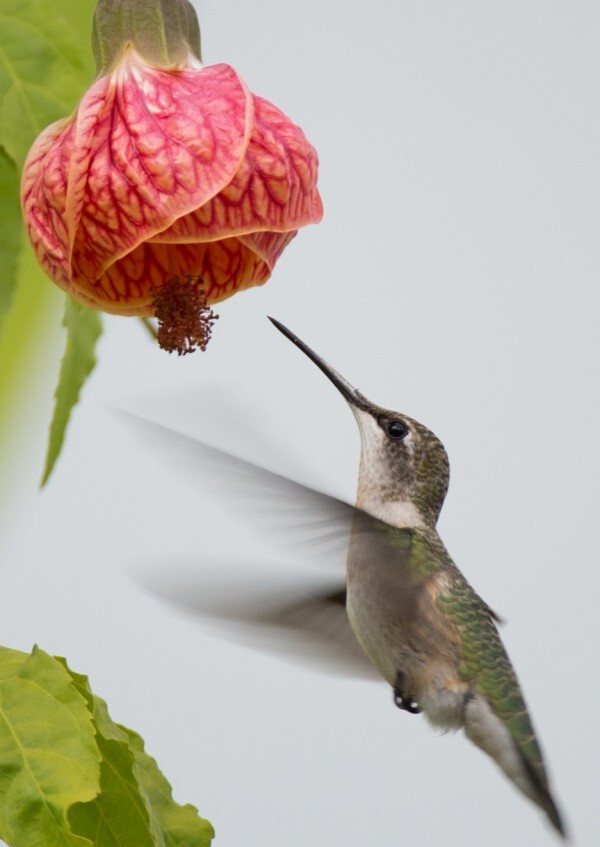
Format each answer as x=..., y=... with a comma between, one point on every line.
x=485, y=666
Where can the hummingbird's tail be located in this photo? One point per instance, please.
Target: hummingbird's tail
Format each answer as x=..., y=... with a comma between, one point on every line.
x=485, y=729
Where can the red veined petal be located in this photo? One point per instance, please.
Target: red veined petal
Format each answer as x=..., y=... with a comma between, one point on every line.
x=150, y=146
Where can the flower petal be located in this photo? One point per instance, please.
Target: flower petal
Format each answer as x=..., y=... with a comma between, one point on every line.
x=43, y=201
x=224, y=266
x=163, y=144
x=274, y=187
x=146, y=146
x=268, y=245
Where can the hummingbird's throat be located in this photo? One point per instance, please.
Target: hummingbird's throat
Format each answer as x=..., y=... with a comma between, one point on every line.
x=399, y=513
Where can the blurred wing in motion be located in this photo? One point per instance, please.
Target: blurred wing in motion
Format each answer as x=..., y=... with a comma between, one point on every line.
x=289, y=513
x=266, y=611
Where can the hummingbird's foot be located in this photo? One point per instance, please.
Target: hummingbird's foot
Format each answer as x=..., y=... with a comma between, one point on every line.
x=407, y=704
x=402, y=700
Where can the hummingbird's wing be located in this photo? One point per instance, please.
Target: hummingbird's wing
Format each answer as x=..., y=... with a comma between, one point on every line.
x=293, y=515
x=299, y=517
x=496, y=718
x=260, y=607
x=306, y=620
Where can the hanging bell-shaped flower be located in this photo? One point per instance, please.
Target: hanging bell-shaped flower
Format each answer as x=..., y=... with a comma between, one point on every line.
x=169, y=175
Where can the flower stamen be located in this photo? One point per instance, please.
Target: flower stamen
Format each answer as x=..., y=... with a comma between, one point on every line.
x=184, y=318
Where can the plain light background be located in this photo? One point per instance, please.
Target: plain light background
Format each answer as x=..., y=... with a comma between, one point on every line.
x=454, y=278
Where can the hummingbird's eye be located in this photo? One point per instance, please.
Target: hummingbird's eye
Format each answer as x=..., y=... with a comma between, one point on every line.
x=396, y=429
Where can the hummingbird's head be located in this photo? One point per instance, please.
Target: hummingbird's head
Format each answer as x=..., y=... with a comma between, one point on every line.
x=404, y=469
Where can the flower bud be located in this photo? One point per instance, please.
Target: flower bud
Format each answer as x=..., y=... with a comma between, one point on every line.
x=167, y=170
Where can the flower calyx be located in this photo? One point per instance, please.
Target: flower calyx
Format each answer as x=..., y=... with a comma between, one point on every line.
x=163, y=32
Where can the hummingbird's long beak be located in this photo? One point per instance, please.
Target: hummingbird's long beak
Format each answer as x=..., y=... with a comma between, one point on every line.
x=354, y=397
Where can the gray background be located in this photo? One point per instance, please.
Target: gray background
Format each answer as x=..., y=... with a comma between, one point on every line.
x=454, y=277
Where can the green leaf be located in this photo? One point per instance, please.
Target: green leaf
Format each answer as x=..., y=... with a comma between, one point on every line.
x=117, y=817
x=84, y=327
x=11, y=230
x=148, y=808
x=49, y=759
x=42, y=70
x=10, y=662
x=181, y=825
x=45, y=65
x=31, y=325
x=70, y=776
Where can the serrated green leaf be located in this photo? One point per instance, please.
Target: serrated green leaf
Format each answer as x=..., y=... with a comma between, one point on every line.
x=121, y=798
x=42, y=70
x=45, y=53
x=46, y=672
x=181, y=825
x=168, y=823
x=84, y=328
x=11, y=230
x=70, y=776
x=48, y=754
x=10, y=662
x=118, y=816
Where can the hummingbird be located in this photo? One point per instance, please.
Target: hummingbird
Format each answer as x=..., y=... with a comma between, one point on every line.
x=404, y=612
x=417, y=619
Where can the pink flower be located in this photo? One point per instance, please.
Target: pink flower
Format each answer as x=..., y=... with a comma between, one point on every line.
x=163, y=173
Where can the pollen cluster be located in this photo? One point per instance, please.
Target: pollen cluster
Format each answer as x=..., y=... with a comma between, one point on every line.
x=184, y=318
